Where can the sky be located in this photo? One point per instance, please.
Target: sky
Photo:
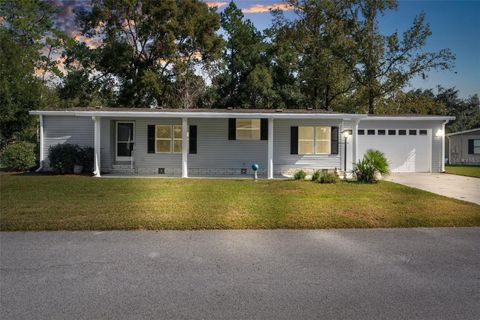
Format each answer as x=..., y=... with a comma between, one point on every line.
x=454, y=25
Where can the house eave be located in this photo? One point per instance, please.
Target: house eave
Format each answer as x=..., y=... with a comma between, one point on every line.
x=217, y=115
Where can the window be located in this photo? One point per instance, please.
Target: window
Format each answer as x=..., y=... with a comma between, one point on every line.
x=168, y=139
x=248, y=129
x=381, y=132
x=422, y=132
x=306, y=140
x=371, y=132
x=177, y=139
x=476, y=146
x=322, y=140
x=314, y=140
x=402, y=132
x=392, y=132
x=412, y=132
x=361, y=132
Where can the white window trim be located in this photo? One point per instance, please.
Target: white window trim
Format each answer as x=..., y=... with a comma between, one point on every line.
x=117, y=158
x=172, y=139
x=249, y=129
x=315, y=140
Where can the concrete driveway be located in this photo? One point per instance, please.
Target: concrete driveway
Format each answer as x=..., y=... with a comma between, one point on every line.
x=320, y=274
x=450, y=185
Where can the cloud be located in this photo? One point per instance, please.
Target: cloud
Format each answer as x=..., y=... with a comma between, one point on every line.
x=217, y=4
x=260, y=8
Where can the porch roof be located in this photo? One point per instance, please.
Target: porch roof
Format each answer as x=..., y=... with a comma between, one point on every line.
x=226, y=113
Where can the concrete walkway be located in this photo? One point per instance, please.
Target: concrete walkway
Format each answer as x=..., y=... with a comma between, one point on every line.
x=249, y=274
x=450, y=185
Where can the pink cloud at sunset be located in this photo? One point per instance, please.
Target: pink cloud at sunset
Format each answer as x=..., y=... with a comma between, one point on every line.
x=260, y=8
x=217, y=4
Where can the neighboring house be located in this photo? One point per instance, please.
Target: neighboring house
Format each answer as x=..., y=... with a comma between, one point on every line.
x=464, y=147
x=226, y=142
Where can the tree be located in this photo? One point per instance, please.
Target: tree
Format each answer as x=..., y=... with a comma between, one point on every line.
x=146, y=47
x=25, y=30
x=244, y=61
x=386, y=63
x=326, y=58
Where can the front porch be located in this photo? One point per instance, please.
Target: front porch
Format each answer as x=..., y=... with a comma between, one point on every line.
x=155, y=147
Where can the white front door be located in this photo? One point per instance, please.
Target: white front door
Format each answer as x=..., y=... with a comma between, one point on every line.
x=125, y=139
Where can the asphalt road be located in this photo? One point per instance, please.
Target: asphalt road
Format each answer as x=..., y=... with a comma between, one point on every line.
x=338, y=274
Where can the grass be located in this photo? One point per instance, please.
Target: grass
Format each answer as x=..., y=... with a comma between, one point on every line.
x=84, y=203
x=470, y=171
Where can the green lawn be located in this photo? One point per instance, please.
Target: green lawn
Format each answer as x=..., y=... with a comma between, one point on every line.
x=471, y=171
x=84, y=203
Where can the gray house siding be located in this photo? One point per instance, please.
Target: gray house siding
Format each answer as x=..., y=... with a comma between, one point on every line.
x=286, y=163
x=216, y=155
x=435, y=126
x=66, y=129
x=458, y=149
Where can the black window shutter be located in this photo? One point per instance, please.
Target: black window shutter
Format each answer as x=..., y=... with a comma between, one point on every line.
x=192, y=140
x=232, y=129
x=470, y=146
x=151, y=138
x=334, y=140
x=264, y=129
x=293, y=140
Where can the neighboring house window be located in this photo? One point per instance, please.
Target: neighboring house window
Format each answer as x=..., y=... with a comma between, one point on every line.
x=314, y=140
x=248, y=129
x=168, y=138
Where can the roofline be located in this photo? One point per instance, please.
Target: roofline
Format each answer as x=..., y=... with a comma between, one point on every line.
x=219, y=115
x=462, y=132
x=167, y=114
x=433, y=118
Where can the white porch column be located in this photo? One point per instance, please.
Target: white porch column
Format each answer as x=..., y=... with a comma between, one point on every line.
x=270, y=148
x=443, y=146
x=42, y=153
x=185, y=148
x=96, y=167
x=355, y=141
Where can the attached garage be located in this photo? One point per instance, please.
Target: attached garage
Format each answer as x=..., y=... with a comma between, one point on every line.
x=407, y=150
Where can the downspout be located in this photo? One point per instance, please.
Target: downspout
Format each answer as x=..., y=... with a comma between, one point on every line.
x=41, y=156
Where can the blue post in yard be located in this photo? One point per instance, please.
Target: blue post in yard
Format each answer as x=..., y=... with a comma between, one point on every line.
x=255, y=169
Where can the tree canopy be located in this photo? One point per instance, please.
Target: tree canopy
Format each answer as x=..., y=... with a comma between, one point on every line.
x=330, y=55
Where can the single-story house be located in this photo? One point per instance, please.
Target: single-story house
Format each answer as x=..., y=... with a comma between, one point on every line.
x=226, y=142
x=464, y=147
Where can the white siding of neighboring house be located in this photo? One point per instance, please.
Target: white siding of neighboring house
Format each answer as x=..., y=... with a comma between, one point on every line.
x=459, y=149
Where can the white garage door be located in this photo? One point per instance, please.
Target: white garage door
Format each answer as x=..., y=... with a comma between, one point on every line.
x=407, y=150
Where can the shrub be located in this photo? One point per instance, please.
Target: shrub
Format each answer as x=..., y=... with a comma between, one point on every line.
x=19, y=156
x=328, y=177
x=64, y=156
x=378, y=160
x=87, y=157
x=316, y=175
x=373, y=162
x=299, y=175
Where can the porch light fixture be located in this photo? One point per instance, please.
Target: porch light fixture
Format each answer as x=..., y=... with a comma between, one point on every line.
x=439, y=133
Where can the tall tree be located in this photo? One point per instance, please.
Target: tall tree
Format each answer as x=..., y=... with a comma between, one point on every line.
x=245, y=80
x=145, y=47
x=388, y=62
x=26, y=29
x=325, y=50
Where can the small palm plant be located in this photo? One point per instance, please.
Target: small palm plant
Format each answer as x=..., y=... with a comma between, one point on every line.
x=372, y=164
